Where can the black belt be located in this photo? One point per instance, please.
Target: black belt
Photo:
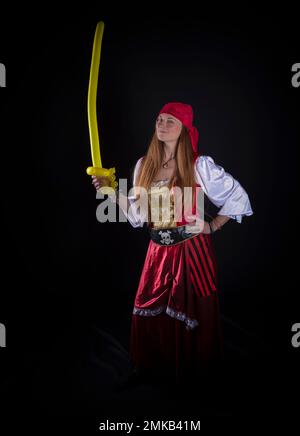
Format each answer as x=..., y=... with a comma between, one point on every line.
x=171, y=236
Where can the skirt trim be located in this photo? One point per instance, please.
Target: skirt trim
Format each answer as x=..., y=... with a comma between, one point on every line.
x=190, y=323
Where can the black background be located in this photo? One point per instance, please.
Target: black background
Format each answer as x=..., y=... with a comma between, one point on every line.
x=65, y=276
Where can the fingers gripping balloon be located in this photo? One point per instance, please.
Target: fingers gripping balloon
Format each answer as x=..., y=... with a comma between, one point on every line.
x=96, y=169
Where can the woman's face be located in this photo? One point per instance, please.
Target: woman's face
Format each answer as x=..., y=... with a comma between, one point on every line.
x=168, y=128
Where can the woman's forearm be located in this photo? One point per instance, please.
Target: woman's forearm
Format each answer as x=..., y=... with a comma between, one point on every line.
x=122, y=201
x=219, y=221
x=130, y=209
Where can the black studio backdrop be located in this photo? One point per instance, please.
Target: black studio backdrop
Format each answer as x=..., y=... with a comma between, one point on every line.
x=64, y=274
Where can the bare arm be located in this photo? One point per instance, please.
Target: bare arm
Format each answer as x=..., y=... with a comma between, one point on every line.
x=219, y=221
x=122, y=201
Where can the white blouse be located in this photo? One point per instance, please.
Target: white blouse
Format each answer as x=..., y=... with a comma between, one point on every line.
x=221, y=188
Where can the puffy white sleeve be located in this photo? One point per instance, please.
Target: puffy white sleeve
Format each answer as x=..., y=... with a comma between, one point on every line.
x=134, y=215
x=222, y=189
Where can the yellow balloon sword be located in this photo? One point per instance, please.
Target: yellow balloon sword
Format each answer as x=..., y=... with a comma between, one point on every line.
x=97, y=169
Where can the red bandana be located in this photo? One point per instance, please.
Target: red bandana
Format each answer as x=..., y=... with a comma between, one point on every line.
x=184, y=113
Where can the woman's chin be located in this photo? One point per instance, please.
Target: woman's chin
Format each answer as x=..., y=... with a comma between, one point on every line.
x=162, y=137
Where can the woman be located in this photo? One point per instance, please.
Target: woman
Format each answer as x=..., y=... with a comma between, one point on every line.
x=175, y=329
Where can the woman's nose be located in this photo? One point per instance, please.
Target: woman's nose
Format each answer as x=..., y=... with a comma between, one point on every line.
x=161, y=124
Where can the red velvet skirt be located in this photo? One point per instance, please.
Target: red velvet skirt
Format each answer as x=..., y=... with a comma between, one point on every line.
x=176, y=329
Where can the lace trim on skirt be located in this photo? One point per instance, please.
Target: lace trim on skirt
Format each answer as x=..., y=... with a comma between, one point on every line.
x=190, y=323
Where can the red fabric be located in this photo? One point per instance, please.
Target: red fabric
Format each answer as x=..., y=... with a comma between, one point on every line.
x=182, y=278
x=184, y=113
x=187, y=212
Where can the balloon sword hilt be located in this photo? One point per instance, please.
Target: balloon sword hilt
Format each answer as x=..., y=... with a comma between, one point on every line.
x=104, y=172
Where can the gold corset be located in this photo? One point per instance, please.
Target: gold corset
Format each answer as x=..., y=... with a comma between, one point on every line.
x=161, y=198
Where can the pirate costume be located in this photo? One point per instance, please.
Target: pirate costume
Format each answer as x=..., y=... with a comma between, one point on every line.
x=175, y=327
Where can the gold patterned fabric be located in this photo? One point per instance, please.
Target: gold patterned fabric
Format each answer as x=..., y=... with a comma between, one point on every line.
x=161, y=205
